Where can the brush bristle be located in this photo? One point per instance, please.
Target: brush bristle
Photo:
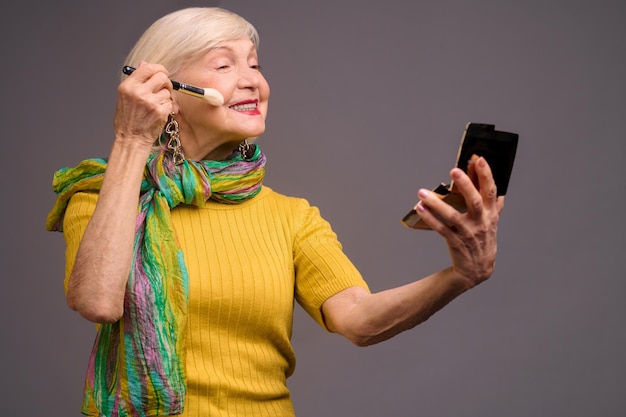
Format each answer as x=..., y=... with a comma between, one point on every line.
x=213, y=96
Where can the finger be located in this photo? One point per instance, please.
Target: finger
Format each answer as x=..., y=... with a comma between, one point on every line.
x=144, y=101
x=471, y=169
x=146, y=70
x=151, y=82
x=464, y=185
x=150, y=78
x=500, y=204
x=140, y=100
x=486, y=183
x=440, y=216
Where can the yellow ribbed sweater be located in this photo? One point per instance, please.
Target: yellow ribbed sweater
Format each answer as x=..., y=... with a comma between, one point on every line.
x=246, y=262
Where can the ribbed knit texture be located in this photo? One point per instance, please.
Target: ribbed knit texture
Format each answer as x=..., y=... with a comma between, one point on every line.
x=245, y=264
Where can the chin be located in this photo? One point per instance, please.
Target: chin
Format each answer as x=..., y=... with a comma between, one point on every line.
x=253, y=133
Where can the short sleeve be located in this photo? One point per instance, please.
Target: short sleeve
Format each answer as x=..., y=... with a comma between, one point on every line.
x=321, y=266
x=79, y=210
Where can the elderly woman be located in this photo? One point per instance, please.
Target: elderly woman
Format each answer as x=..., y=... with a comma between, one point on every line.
x=190, y=266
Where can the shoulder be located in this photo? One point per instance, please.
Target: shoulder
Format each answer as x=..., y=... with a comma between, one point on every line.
x=298, y=211
x=284, y=202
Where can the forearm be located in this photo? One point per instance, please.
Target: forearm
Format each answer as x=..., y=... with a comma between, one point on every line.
x=471, y=238
x=98, y=280
x=367, y=319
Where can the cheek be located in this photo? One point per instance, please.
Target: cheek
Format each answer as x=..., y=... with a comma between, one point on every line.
x=265, y=90
x=264, y=98
x=264, y=109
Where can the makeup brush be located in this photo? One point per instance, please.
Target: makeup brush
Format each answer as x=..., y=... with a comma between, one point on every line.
x=211, y=95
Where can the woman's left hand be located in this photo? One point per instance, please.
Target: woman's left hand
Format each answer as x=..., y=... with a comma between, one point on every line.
x=470, y=236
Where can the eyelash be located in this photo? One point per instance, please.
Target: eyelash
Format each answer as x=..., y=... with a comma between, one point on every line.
x=256, y=67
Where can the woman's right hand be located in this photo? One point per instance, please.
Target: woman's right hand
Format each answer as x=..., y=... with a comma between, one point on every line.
x=144, y=102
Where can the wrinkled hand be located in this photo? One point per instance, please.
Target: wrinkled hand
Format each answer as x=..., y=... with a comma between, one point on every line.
x=144, y=103
x=470, y=236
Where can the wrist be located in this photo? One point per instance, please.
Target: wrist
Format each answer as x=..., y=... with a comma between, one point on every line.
x=462, y=279
x=126, y=163
x=135, y=143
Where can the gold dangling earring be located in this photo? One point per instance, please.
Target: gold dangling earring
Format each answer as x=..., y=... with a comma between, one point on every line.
x=173, y=144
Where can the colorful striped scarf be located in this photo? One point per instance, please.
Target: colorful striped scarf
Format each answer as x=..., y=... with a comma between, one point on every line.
x=137, y=364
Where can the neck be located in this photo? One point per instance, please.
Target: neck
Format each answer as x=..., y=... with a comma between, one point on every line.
x=200, y=145
x=213, y=153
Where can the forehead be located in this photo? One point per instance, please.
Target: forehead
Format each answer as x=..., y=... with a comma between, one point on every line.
x=240, y=46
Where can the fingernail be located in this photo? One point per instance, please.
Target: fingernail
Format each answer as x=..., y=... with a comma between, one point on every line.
x=422, y=193
x=482, y=162
x=419, y=207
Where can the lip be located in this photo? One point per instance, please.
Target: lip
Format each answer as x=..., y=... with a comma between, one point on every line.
x=254, y=111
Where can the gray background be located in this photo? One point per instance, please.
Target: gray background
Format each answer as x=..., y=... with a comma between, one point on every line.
x=369, y=100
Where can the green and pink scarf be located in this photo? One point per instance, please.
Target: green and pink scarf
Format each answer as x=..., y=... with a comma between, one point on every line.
x=137, y=366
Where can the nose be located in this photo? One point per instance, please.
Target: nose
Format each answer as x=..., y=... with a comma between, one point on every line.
x=249, y=78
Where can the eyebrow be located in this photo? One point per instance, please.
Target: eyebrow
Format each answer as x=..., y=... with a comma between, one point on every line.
x=230, y=48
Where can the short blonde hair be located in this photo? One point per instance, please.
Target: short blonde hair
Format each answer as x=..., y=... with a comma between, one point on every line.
x=184, y=35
